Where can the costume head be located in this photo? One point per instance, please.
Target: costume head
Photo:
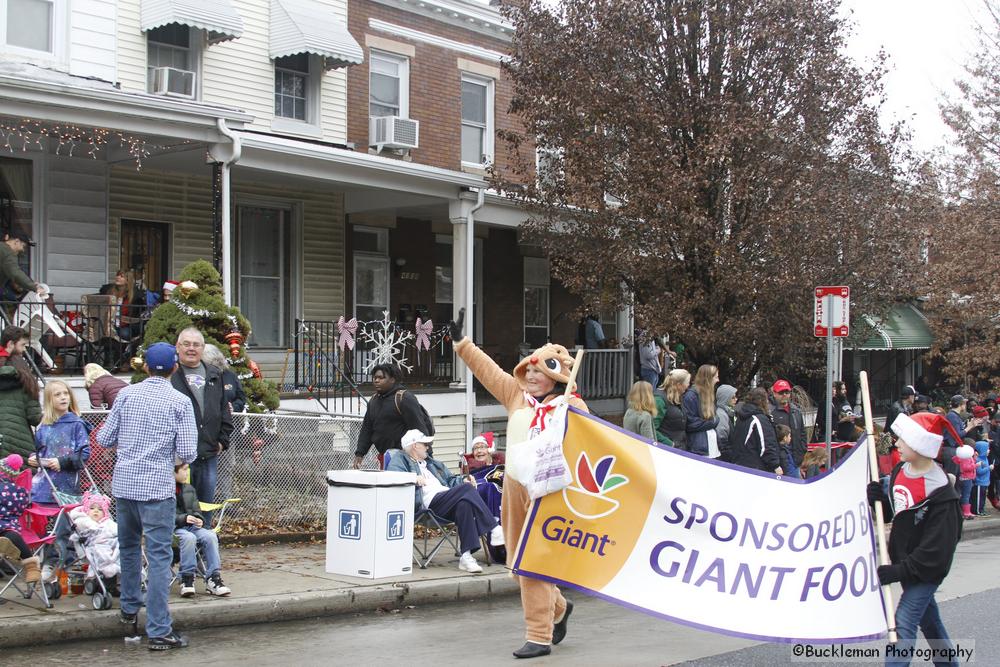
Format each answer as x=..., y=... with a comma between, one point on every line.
x=486, y=439
x=10, y=467
x=553, y=360
x=923, y=432
x=96, y=500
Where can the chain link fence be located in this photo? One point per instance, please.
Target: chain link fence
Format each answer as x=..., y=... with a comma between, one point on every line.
x=276, y=465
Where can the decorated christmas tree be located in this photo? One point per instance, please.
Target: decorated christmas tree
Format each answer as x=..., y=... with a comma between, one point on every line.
x=198, y=302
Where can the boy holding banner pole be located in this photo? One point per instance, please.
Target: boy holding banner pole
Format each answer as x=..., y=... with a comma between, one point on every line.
x=927, y=524
x=540, y=382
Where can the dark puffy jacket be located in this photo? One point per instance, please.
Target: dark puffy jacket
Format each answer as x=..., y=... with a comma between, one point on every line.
x=104, y=391
x=669, y=422
x=187, y=503
x=697, y=427
x=215, y=423
x=752, y=442
x=18, y=413
x=384, y=425
x=792, y=418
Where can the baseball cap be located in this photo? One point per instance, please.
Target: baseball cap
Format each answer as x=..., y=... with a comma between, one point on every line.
x=413, y=436
x=781, y=385
x=161, y=356
x=956, y=400
x=24, y=238
x=908, y=390
x=922, y=398
x=979, y=412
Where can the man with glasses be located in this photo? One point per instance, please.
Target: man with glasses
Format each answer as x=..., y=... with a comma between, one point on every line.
x=783, y=411
x=204, y=386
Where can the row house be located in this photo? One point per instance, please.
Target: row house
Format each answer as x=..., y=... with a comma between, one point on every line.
x=329, y=157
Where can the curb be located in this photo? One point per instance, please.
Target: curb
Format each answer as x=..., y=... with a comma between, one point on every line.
x=61, y=627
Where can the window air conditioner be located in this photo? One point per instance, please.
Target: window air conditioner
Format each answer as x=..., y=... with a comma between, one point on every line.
x=173, y=82
x=393, y=132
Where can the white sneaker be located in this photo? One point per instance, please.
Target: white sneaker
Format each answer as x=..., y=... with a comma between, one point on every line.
x=187, y=586
x=215, y=586
x=467, y=563
x=496, y=536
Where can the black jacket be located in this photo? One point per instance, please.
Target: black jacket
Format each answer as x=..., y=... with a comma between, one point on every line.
x=796, y=424
x=187, y=504
x=923, y=538
x=896, y=409
x=752, y=442
x=215, y=426
x=674, y=422
x=384, y=425
x=233, y=389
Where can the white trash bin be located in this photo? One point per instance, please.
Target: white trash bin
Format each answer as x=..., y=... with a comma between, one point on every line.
x=369, y=523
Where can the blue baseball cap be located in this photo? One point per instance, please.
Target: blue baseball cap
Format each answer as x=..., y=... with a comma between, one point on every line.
x=161, y=356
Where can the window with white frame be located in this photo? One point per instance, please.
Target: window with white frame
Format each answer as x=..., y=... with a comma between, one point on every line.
x=477, y=119
x=265, y=275
x=172, y=46
x=388, y=85
x=292, y=87
x=371, y=272
x=536, y=301
x=30, y=24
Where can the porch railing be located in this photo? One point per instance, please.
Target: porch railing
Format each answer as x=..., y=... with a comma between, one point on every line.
x=334, y=375
x=67, y=336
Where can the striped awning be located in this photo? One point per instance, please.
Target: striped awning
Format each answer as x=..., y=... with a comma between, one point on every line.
x=218, y=17
x=904, y=328
x=306, y=26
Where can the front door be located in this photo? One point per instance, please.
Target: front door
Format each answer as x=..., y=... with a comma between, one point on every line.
x=144, y=251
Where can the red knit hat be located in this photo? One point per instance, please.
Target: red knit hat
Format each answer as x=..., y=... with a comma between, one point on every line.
x=923, y=432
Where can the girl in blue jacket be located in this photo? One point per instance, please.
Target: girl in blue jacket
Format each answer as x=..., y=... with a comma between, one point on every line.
x=62, y=443
x=982, y=482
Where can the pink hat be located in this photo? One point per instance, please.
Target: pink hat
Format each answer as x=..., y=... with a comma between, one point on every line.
x=923, y=432
x=11, y=466
x=91, y=499
x=485, y=438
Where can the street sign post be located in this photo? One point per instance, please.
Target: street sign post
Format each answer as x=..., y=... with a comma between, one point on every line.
x=831, y=319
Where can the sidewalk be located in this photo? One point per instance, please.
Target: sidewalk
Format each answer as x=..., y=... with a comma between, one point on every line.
x=272, y=582
x=285, y=582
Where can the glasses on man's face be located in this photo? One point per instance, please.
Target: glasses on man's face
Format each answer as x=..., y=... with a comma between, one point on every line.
x=192, y=345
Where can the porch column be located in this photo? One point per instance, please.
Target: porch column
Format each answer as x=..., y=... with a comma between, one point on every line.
x=458, y=213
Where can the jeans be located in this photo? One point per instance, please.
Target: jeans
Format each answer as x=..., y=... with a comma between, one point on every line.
x=965, y=489
x=191, y=539
x=917, y=607
x=154, y=520
x=59, y=553
x=650, y=376
x=204, y=477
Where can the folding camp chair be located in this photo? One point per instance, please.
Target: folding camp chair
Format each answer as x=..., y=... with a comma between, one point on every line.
x=426, y=547
x=32, y=530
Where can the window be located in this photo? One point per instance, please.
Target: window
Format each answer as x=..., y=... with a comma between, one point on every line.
x=536, y=301
x=371, y=272
x=171, y=46
x=477, y=120
x=265, y=281
x=548, y=167
x=291, y=87
x=30, y=24
x=388, y=85
x=17, y=202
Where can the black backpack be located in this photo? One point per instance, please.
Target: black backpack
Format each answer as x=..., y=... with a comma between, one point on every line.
x=426, y=423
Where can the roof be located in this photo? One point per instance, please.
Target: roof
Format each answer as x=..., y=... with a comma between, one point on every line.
x=904, y=328
x=218, y=17
x=306, y=26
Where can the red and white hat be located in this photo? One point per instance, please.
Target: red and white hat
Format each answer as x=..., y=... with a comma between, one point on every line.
x=923, y=432
x=170, y=285
x=487, y=439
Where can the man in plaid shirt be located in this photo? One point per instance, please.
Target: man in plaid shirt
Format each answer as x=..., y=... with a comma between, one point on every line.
x=152, y=424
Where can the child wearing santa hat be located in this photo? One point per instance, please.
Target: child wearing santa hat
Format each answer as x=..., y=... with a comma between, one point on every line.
x=965, y=459
x=926, y=526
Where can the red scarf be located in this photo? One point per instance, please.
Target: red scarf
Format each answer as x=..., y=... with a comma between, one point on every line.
x=542, y=410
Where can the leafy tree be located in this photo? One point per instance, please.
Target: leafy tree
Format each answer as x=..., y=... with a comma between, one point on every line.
x=707, y=163
x=206, y=310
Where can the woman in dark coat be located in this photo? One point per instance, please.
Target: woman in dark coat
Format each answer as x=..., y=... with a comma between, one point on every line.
x=19, y=412
x=752, y=443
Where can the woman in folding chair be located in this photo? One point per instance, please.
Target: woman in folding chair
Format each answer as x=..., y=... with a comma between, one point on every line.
x=451, y=497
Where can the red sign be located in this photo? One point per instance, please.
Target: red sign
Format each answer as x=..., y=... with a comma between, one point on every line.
x=833, y=309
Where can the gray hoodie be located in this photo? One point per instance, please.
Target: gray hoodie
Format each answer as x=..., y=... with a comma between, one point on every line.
x=724, y=413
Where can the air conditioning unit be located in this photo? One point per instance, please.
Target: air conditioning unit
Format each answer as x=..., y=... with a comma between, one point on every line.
x=173, y=82
x=393, y=132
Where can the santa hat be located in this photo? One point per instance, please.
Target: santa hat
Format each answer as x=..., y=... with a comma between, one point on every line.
x=487, y=439
x=923, y=432
x=170, y=286
x=11, y=466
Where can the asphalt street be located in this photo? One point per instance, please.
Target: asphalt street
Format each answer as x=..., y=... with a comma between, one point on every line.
x=484, y=633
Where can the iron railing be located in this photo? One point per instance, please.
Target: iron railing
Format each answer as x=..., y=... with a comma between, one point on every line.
x=276, y=465
x=67, y=336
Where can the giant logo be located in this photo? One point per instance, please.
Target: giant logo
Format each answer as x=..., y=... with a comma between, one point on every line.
x=588, y=496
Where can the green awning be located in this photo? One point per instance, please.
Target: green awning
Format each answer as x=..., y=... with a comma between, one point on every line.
x=904, y=328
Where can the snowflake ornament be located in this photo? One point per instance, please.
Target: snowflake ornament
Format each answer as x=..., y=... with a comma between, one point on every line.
x=388, y=344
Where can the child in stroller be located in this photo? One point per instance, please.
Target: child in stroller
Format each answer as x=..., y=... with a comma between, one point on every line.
x=96, y=537
x=13, y=502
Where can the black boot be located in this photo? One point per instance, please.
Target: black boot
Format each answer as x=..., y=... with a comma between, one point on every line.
x=532, y=650
x=559, y=629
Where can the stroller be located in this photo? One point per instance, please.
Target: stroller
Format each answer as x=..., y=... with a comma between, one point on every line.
x=101, y=589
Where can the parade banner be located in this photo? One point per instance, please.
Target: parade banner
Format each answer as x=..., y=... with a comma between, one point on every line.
x=707, y=544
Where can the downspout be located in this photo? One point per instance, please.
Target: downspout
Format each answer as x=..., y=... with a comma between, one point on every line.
x=470, y=253
x=227, y=235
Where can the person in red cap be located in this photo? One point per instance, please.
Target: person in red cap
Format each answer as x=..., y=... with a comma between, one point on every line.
x=783, y=411
x=926, y=526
